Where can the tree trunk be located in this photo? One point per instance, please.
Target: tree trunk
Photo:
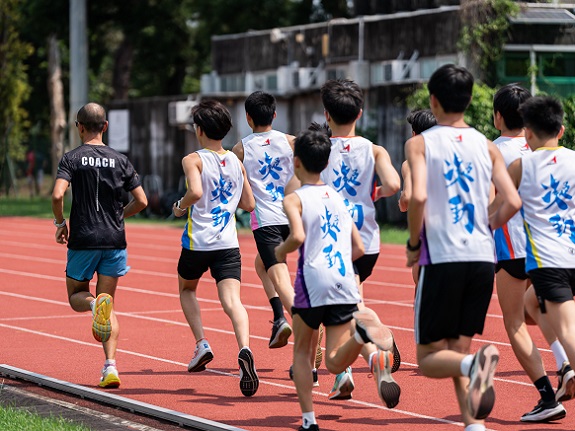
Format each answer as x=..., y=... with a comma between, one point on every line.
x=122, y=70
x=57, y=111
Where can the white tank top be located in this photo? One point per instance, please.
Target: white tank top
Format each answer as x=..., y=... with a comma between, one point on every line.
x=325, y=273
x=351, y=172
x=456, y=225
x=510, y=238
x=546, y=189
x=211, y=221
x=268, y=159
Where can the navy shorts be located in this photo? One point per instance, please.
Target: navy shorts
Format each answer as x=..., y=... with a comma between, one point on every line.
x=452, y=300
x=223, y=264
x=364, y=266
x=267, y=239
x=553, y=285
x=329, y=315
x=82, y=264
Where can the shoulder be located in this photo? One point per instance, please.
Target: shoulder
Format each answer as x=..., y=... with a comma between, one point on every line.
x=238, y=150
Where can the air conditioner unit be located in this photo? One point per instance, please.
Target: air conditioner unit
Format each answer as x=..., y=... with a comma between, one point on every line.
x=286, y=81
x=394, y=71
x=359, y=73
x=179, y=112
x=210, y=83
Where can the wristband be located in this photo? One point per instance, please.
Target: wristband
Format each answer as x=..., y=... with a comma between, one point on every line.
x=413, y=248
x=178, y=205
x=59, y=225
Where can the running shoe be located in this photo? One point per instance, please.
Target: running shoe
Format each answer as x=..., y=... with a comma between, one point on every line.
x=343, y=386
x=110, y=377
x=202, y=356
x=396, y=358
x=481, y=395
x=249, y=381
x=371, y=330
x=313, y=373
x=281, y=331
x=566, y=384
x=387, y=388
x=319, y=352
x=101, y=326
x=545, y=412
x=313, y=427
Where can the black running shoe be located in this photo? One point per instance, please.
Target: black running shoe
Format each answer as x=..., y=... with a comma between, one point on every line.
x=396, y=358
x=281, y=331
x=249, y=381
x=545, y=412
x=313, y=427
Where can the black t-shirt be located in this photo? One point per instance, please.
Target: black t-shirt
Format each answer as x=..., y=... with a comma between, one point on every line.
x=98, y=175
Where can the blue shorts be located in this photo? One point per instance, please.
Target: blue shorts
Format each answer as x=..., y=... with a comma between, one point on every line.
x=82, y=264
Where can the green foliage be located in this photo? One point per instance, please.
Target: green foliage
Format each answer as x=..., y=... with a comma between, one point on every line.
x=479, y=114
x=568, y=139
x=14, y=87
x=484, y=29
x=12, y=418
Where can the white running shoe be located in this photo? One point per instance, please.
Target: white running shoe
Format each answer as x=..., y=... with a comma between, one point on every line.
x=110, y=378
x=481, y=395
x=566, y=384
x=202, y=356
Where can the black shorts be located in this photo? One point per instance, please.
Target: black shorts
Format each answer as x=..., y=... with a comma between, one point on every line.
x=267, y=239
x=452, y=300
x=364, y=266
x=553, y=285
x=329, y=315
x=514, y=267
x=223, y=264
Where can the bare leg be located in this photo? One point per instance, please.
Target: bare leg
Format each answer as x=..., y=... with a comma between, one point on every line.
x=229, y=294
x=190, y=306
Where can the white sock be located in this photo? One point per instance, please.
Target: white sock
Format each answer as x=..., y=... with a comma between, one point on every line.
x=475, y=427
x=92, y=305
x=109, y=362
x=308, y=419
x=559, y=353
x=465, y=367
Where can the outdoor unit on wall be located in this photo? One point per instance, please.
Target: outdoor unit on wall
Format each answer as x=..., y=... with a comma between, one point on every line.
x=286, y=80
x=394, y=71
x=210, y=83
x=179, y=112
x=359, y=73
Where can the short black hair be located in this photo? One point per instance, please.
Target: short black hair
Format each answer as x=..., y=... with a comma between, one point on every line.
x=421, y=120
x=316, y=127
x=543, y=115
x=342, y=99
x=213, y=118
x=261, y=106
x=92, y=116
x=507, y=100
x=313, y=149
x=452, y=86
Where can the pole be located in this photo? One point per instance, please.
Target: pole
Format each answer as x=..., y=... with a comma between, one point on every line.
x=78, y=66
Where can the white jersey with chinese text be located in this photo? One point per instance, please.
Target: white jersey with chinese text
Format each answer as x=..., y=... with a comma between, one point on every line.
x=211, y=221
x=549, y=208
x=456, y=225
x=268, y=159
x=351, y=172
x=510, y=238
x=325, y=273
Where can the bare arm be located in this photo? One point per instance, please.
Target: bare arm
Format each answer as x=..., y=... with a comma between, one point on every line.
x=405, y=195
x=296, y=237
x=390, y=182
x=294, y=183
x=192, y=165
x=137, y=204
x=507, y=201
x=415, y=154
x=358, y=249
x=238, y=150
x=247, y=201
x=58, y=193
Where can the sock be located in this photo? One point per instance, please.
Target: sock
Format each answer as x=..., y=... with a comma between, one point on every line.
x=109, y=362
x=93, y=304
x=465, y=365
x=308, y=419
x=277, y=308
x=559, y=354
x=545, y=389
x=475, y=427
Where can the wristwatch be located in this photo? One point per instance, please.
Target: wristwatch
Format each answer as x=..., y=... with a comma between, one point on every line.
x=60, y=224
x=415, y=247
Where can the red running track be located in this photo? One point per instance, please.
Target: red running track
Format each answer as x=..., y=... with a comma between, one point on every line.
x=40, y=333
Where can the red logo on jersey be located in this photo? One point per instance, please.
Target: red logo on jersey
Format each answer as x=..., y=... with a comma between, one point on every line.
x=346, y=148
x=553, y=161
x=525, y=147
x=266, y=142
x=326, y=196
x=459, y=138
x=223, y=162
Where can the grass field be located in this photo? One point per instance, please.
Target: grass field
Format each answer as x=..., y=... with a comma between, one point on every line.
x=14, y=419
x=42, y=207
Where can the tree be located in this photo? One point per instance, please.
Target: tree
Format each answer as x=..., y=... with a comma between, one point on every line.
x=14, y=87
